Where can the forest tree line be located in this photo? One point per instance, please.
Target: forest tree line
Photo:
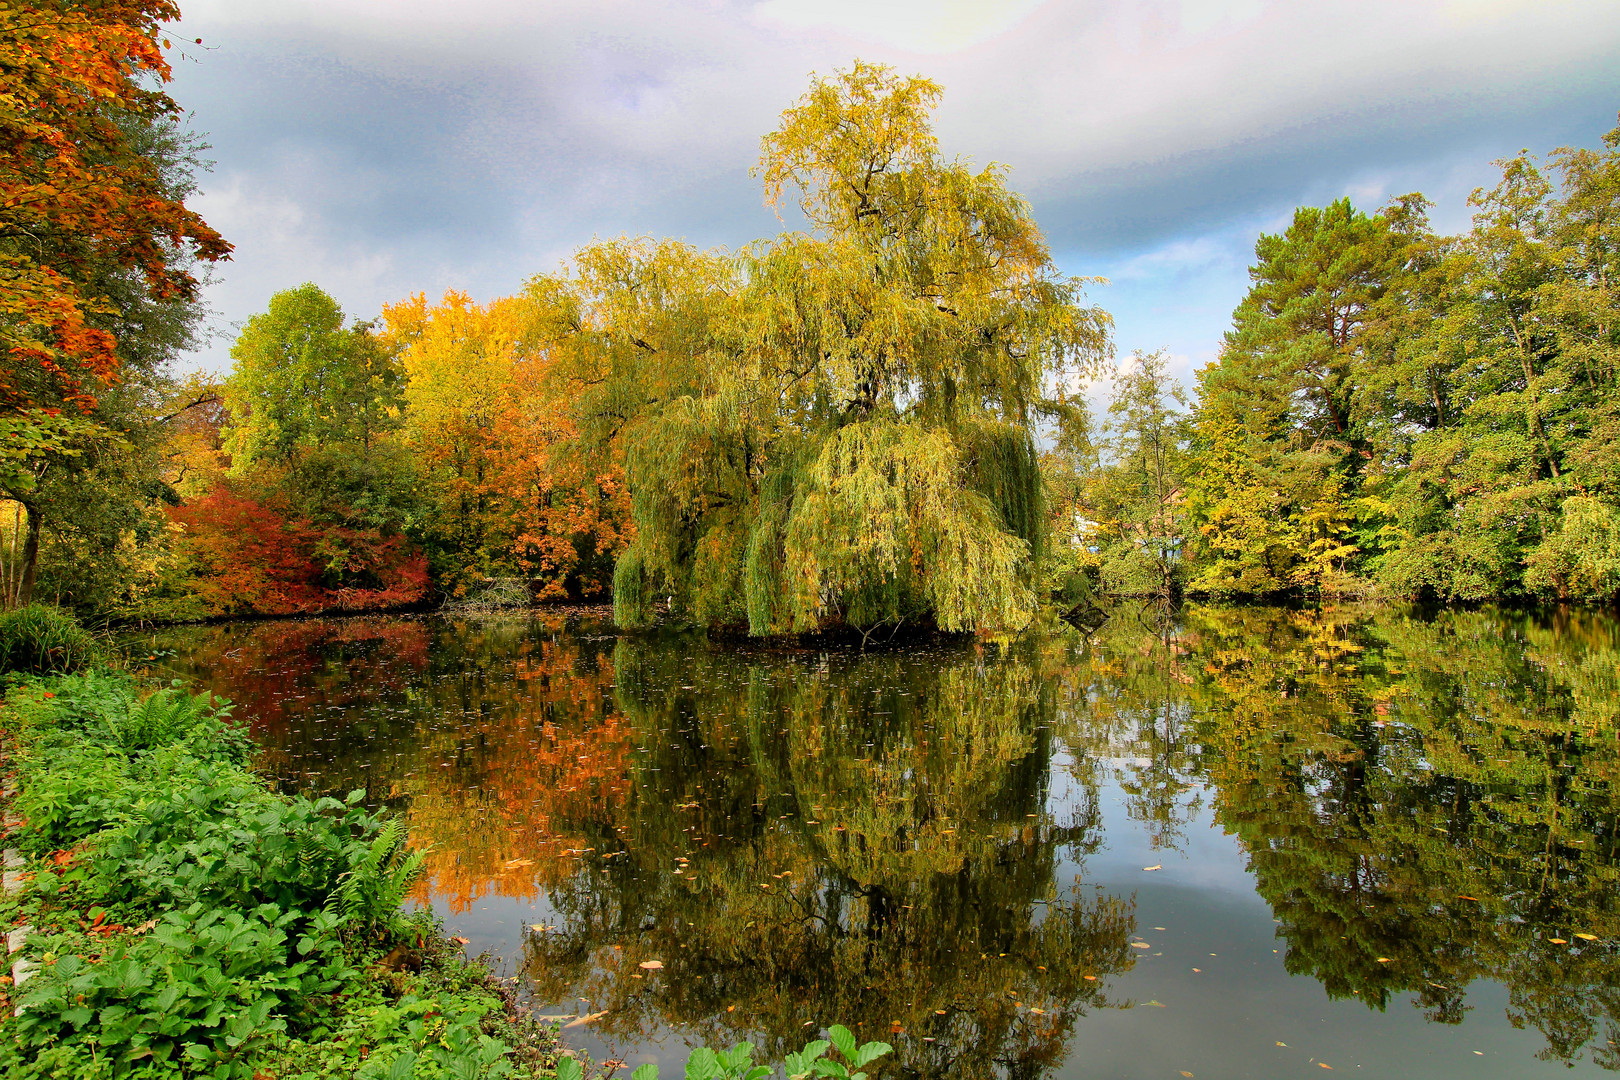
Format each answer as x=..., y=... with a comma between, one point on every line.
x=878, y=421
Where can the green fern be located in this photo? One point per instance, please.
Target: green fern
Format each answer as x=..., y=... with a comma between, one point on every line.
x=369, y=894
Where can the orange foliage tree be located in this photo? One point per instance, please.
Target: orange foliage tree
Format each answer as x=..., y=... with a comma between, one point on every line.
x=488, y=416
x=74, y=193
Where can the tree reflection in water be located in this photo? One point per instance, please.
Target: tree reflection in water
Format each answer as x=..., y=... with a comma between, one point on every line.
x=1425, y=801
x=804, y=837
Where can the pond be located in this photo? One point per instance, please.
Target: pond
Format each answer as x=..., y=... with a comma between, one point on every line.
x=1216, y=842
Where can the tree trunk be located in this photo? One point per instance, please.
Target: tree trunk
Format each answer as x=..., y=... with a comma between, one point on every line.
x=30, y=558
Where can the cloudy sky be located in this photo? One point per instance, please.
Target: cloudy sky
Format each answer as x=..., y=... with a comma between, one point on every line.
x=386, y=147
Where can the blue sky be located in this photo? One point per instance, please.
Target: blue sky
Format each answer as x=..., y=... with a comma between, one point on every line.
x=386, y=147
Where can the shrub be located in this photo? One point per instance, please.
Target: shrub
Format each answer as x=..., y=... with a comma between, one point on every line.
x=42, y=640
x=193, y=922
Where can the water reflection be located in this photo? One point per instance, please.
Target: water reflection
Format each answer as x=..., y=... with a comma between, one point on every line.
x=1426, y=803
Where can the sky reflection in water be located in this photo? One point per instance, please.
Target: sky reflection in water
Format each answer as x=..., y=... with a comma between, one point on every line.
x=1235, y=842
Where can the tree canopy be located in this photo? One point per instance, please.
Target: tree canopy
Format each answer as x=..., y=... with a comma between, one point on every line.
x=836, y=426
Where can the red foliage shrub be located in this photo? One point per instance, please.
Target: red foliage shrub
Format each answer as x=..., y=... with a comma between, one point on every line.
x=248, y=558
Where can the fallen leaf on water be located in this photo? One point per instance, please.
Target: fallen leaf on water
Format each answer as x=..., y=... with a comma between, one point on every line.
x=1324, y=1065
x=1587, y=937
x=1154, y=1004
x=1559, y=941
x=1155, y=866
x=651, y=965
x=1199, y=970
x=1184, y=1072
x=459, y=940
x=593, y=1017
x=1282, y=1044
x=1385, y=960
x=1140, y=945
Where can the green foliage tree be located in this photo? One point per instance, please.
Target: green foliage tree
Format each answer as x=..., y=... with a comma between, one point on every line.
x=302, y=380
x=312, y=400
x=1135, y=497
x=1278, y=423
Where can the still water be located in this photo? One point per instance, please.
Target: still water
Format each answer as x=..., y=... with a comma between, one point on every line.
x=1219, y=842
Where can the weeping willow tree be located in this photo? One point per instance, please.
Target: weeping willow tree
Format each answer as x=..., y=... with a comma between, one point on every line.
x=835, y=426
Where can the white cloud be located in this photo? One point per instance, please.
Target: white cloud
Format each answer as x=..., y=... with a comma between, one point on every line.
x=387, y=146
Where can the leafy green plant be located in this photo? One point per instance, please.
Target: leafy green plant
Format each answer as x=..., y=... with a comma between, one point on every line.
x=43, y=640
x=370, y=892
x=258, y=918
x=198, y=993
x=738, y=1062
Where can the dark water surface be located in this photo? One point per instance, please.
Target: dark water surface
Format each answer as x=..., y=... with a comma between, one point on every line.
x=1231, y=842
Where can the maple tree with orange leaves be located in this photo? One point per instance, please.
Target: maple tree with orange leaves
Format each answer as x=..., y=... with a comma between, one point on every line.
x=74, y=193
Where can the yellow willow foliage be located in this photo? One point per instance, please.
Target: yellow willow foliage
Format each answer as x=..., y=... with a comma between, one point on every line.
x=766, y=401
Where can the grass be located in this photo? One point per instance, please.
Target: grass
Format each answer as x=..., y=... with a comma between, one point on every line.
x=38, y=639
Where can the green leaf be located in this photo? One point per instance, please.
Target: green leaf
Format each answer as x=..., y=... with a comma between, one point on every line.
x=702, y=1065
x=844, y=1039
x=648, y=1071
x=569, y=1069
x=871, y=1052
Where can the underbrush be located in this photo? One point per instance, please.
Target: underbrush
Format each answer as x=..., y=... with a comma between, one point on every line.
x=190, y=922
x=39, y=639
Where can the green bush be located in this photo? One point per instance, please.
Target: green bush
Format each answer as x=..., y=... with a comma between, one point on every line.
x=41, y=640
x=192, y=922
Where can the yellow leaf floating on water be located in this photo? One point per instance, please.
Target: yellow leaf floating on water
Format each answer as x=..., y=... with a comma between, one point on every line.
x=1587, y=937
x=1155, y=866
x=1140, y=945
x=1184, y=1072
x=1282, y=1044
x=651, y=965
x=1324, y=1065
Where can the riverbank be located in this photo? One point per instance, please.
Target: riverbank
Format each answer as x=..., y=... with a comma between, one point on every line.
x=175, y=917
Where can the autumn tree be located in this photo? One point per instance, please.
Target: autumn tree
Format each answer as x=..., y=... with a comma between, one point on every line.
x=837, y=427
x=490, y=421
x=97, y=247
